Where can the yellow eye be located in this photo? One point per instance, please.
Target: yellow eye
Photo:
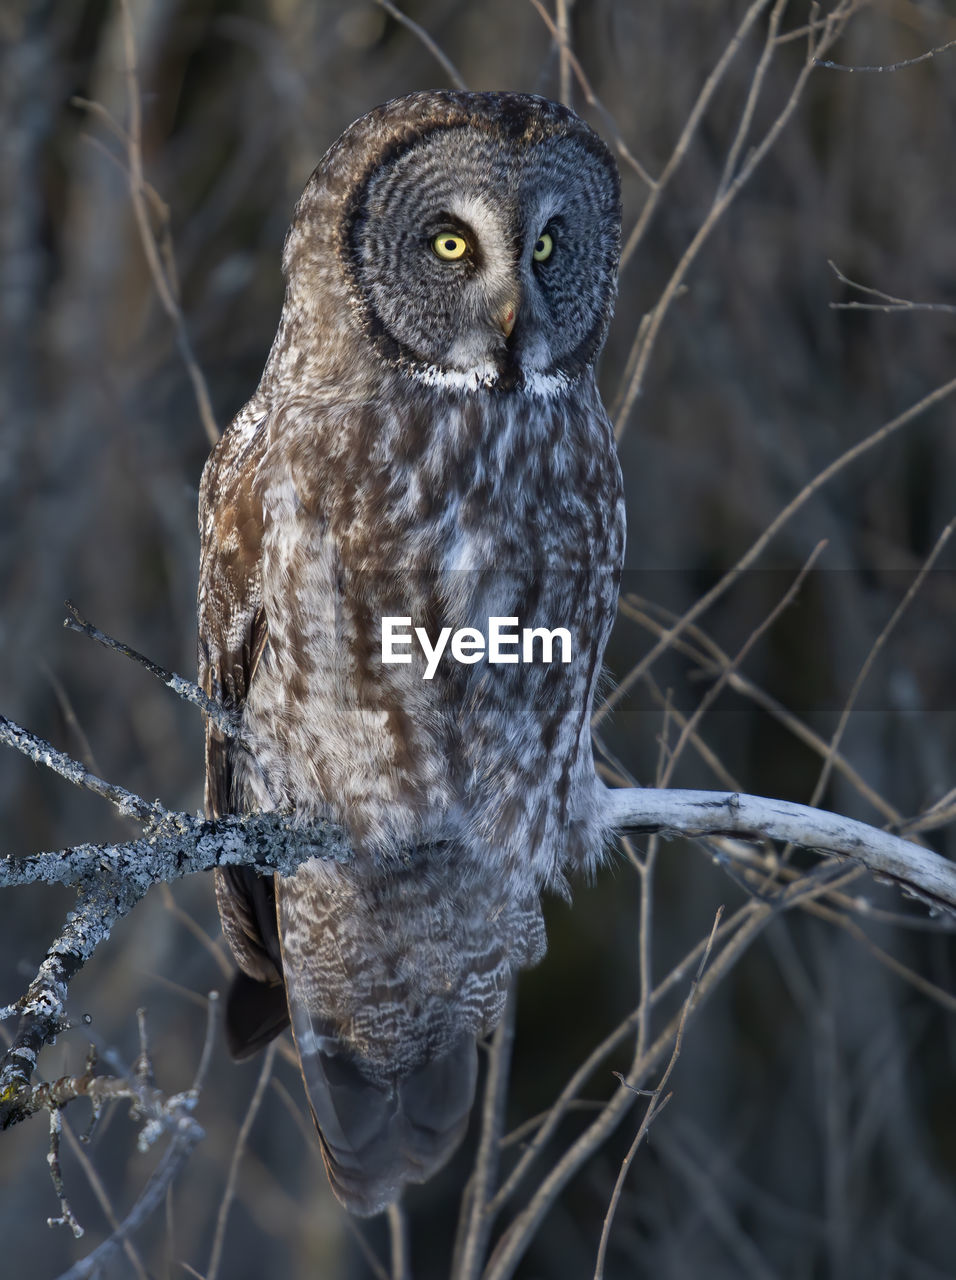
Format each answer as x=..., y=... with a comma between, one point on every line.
x=449, y=246
x=542, y=247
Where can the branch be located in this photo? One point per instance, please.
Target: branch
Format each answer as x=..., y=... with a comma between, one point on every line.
x=111, y=880
x=919, y=872
x=40, y=752
x=226, y=721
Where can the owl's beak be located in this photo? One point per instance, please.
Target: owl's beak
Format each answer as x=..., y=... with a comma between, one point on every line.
x=506, y=317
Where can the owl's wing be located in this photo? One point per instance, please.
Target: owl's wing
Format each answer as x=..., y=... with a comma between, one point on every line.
x=232, y=636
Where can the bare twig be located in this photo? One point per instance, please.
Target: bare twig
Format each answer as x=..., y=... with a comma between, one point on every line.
x=40, y=752
x=658, y=1100
x=102, y=1196
x=566, y=1099
x=760, y=545
x=723, y=198
x=398, y=1235
x=750, y=106
x=137, y=188
x=67, y=1217
x=228, y=1194
x=754, y=919
x=889, y=66
x=875, y=650
x=682, y=146
x=476, y=1216
x=451, y=71
x=888, y=302
x=224, y=720
x=562, y=10
x=713, y=692
x=185, y=1135
x=593, y=100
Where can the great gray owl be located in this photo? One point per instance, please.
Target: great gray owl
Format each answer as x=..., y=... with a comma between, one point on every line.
x=426, y=449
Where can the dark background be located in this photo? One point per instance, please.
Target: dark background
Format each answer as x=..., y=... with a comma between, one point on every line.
x=812, y=1131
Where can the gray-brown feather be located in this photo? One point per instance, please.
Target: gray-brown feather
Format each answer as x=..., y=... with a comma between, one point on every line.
x=402, y=458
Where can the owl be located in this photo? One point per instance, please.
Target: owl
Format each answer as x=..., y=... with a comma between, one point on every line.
x=426, y=456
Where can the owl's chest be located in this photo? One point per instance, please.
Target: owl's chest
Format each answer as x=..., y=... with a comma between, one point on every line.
x=482, y=482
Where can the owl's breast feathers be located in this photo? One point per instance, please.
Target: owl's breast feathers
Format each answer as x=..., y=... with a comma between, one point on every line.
x=465, y=794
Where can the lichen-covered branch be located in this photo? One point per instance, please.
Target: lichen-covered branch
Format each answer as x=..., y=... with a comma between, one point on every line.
x=111, y=879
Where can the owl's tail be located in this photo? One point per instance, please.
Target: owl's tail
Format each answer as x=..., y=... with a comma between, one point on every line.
x=376, y=1138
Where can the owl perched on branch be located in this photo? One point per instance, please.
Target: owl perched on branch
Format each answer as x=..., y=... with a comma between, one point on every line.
x=426, y=457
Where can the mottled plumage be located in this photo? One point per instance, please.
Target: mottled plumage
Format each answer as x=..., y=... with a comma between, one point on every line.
x=427, y=442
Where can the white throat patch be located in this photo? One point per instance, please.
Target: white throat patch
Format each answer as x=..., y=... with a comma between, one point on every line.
x=544, y=386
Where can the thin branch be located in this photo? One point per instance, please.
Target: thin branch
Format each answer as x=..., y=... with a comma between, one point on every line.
x=888, y=302
x=186, y=1135
x=228, y=1194
x=451, y=71
x=102, y=1196
x=594, y=101
x=756, y=84
x=756, y=917
x=40, y=752
x=137, y=188
x=683, y=143
x=562, y=10
x=477, y=1218
x=657, y=1102
x=724, y=197
x=67, y=1218
x=225, y=721
x=875, y=650
x=890, y=66
x=566, y=1100
x=398, y=1237
x=760, y=545
x=715, y=689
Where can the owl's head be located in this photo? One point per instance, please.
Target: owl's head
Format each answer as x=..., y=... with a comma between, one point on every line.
x=472, y=238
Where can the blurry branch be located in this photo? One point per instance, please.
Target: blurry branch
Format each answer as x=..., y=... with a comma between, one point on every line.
x=142, y=194
x=737, y=935
x=451, y=71
x=890, y=66
x=137, y=187
x=871, y=657
x=476, y=1220
x=697, y=645
x=562, y=10
x=714, y=691
x=399, y=1243
x=750, y=106
x=159, y=1114
x=760, y=545
x=658, y=1100
x=592, y=99
x=567, y=1099
x=690, y=128
x=228, y=1195
x=78, y=1151
x=887, y=302
x=729, y=187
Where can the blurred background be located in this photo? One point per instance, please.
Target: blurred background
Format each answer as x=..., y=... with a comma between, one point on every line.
x=812, y=1130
